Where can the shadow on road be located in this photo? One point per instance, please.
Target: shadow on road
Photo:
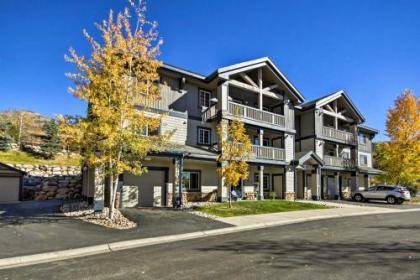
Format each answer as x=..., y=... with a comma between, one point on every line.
x=31, y=212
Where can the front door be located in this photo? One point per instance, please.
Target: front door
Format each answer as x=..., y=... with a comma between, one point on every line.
x=278, y=185
x=332, y=188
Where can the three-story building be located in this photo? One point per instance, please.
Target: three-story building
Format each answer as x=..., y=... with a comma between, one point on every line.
x=299, y=150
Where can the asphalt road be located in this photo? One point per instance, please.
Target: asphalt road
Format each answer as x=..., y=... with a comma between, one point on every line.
x=366, y=247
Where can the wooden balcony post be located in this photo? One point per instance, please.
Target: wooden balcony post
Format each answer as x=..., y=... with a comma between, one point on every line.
x=261, y=182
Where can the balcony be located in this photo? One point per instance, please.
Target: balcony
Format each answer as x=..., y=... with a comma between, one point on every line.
x=270, y=153
x=209, y=113
x=338, y=162
x=256, y=116
x=338, y=135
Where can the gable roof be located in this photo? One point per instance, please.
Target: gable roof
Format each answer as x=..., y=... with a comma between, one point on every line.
x=319, y=102
x=302, y=157
x=220, y=73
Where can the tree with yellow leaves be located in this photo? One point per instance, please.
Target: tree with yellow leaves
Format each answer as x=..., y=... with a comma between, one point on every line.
x=400, y=157
x=119, y=82
x=235, y=150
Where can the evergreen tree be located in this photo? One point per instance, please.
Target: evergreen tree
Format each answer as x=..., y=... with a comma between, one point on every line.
x=5, y=139
x=52, y=143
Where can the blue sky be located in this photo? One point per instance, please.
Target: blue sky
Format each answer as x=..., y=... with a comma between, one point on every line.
x=371, y=49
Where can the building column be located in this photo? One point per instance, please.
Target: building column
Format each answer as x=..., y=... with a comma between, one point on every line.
x=354, y=182
x=261, y=136
x=261, y=182
x=222, y=97
x=177, y=184
x=289, y=180
x=260, y=85
x=337, y=184
x=318, y=183
x=99, y=190
x=222, y=192
x=367, y=181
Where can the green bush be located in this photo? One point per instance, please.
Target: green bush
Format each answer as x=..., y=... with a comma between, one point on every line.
x=412, y=190
x=5, y=143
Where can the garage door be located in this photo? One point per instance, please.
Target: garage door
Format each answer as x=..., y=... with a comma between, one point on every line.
x=9, y=189
x=148, y=182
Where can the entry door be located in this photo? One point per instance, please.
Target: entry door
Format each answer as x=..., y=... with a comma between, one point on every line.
x=332, y=188
x=278, y=185
x=148, y=182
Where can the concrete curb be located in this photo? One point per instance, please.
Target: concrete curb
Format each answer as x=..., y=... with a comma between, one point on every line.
x=19, y=261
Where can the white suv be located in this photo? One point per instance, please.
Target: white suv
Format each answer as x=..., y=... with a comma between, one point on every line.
x=391, y=194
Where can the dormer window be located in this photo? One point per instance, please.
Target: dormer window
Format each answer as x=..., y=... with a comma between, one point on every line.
x=204, y=98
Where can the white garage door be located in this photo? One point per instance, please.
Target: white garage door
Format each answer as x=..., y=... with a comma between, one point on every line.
x=153, y=178
x=9, y=189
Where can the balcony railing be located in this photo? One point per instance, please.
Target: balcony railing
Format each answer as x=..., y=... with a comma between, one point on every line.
x=339, y=135
x=338, y=162
x=254, y=114
x=209, y=113
x=264, y=152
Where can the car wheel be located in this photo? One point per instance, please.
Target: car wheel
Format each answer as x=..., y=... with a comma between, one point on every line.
x=391, y=199
x=358, y=197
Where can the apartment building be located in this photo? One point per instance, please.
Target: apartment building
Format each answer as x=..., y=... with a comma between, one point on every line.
x=312, y=150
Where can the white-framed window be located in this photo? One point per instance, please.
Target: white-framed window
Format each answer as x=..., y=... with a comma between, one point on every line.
x=363, y=159
x=362, y=139
x=266, y=181
x=204, y=136
x=204, y=98
x=191, y=180
x=150, y=132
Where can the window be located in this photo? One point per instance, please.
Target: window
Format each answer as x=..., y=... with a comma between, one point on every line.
x=191, y=180
x=363, y=159
x=266, y=181
x=362, y=139
x=150, y=132
x=204, y=98
x=266, y=141
x=204, y=136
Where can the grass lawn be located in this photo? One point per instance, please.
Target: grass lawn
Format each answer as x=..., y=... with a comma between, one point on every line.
x=415, y=200
x=17, y=157
x=242, y=208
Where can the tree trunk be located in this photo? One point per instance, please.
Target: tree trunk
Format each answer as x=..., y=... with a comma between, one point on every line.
x=113, y=196
x=230, y=196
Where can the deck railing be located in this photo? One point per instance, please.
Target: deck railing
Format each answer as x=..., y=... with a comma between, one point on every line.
x=264, y=152
x=338, y=162
x=255, y=114
x=336, y=134
x=209, y=113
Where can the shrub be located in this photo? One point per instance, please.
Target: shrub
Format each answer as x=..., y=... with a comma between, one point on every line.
x=5, y=143
x=412, y=190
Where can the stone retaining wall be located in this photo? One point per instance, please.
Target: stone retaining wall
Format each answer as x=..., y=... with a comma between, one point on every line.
x=44, y=182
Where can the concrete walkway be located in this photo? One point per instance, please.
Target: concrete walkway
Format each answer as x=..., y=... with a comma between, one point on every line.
x=339, y=210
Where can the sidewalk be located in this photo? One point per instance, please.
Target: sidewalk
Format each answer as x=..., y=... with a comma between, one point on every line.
x=341, y=210
x=244, y=223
